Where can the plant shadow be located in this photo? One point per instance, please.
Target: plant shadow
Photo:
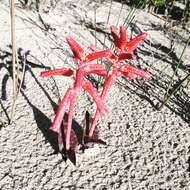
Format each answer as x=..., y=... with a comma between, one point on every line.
x=24, y=66
x=42, y=121
x=79, y=133
x=180, y=102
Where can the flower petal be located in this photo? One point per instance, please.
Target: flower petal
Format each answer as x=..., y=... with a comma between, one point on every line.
x=115, y=36
x=98, y=55
x=76, y=49
x=126, y=69
x=132, y=44
x=123, y=38
x=95, y=69
x=111, y=58
x=62, y=71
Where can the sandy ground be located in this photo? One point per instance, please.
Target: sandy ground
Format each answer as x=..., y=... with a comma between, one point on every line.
x=146, y=148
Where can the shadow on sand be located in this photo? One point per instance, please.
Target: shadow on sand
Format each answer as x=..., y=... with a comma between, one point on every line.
x=43, y=122
x=180, y=101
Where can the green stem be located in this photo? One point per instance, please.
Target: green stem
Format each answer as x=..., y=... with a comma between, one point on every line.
x=166, y=96
x=175, y=90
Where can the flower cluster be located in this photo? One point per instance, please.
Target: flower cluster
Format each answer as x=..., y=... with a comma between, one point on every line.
x=124, y=49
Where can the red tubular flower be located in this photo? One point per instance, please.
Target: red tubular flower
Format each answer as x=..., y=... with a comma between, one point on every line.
x=79, y=53
x=76, y=49
x=94, y=69
x=80, y=82
x=115, y=36
x=124, y=70
x=68, y=99
x=98, y=55
x=124, y=45
x=70, y=115
x=62, y=71
x=132, y=72
x=125, y=50
x=111, y=58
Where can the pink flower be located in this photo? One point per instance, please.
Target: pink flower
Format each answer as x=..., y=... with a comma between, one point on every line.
x=79, y=53
x=125, y=50
x=123, y=70
x=79, y=82
x=124, y=45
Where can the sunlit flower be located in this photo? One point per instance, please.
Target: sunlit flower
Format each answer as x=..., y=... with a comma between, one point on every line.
x=79, y=82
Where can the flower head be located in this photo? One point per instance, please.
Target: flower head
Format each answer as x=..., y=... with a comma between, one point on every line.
x=79, y=82
x=80, y=55
x=125, y=51
x=122, y=43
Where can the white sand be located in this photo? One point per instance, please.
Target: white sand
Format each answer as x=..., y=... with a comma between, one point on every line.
x=146, y=149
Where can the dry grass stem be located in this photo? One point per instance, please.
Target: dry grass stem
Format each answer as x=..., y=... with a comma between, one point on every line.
x=15, y=69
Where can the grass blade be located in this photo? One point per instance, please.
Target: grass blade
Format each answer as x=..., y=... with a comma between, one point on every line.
x=14, y=60
x=167, y=97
